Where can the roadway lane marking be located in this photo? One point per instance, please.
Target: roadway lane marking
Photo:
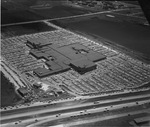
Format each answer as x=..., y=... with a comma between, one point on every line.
x=90, y=103
x=64, y=108
x=94, y=111
x=75, y=113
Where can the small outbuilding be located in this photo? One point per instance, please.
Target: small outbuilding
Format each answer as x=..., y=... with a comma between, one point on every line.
x=22, y=91
x=37, y=85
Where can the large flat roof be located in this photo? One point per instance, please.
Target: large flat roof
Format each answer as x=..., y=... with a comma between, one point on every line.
x=61, y=58
x=38, y=42
x=83, y=65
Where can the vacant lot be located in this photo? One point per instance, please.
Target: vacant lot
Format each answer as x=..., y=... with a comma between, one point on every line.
x=21, y=29
x=131, y=11
x=59, y=11
x=15, y=16
x=140, y=15
x=8, y=95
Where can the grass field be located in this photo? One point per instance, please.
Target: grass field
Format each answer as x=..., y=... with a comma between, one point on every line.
x=59, y=11
x=8, y=95
x=30, y=28
x=131, y=11
x=15, y=16
x=140, y=15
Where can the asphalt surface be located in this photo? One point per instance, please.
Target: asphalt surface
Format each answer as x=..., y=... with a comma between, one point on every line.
x=72, y=110
x=71, y=103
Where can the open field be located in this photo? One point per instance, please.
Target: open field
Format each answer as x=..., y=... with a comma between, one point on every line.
x=13, y=16
x=8, y=94
x=21, y=29
x=16, y=16
x=135, y=19
x=130, y=11
x=20, y=12
x=59, y=11
x=140, y=15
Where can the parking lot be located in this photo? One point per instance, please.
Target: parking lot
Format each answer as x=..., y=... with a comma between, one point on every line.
x=117, y=72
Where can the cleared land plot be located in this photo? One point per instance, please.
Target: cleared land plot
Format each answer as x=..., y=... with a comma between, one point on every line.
x=29, y=28
x=15, y=16
x=8, y=95
x=140, y=15
x=59, y=11
x=131, y=11
x=136, y=20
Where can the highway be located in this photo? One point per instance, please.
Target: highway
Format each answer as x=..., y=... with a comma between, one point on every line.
x=85, y=118
x=75, y=115
x=74, y=106
x=73, y=102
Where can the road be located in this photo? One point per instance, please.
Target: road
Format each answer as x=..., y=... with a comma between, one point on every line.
x=73, y=102
x=74, y=106
x=77, y=121
x=55, y=118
